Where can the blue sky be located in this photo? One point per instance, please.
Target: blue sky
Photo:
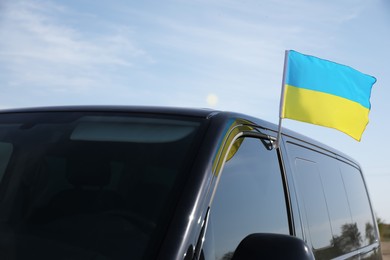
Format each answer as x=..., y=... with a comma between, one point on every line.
x=224, y=54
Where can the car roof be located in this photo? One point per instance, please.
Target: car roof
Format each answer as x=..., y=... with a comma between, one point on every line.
x=194, y=112
x=205, y=113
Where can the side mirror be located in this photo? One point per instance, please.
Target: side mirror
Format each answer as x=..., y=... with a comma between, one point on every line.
x=272, y=246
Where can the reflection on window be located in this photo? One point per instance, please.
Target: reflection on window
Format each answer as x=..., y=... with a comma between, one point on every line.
x=89, y=185
x=310, y=187
x=335, y=195
x=359, y=204
x=334, y=204
x=249, y=199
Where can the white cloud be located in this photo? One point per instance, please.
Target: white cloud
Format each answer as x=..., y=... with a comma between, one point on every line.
x=38, y=48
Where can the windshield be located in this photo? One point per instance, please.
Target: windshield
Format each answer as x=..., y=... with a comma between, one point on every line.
x=87, y=185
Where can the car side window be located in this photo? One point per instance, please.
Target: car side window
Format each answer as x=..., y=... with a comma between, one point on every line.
x=314, y=201
x=359, y=205
x=334, y=203
x=249, y=199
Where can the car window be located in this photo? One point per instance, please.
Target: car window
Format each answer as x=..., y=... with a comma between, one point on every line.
x=315, y=207
x=249, y=199
x=334, y=203
x=359, y=205
x=90, y=185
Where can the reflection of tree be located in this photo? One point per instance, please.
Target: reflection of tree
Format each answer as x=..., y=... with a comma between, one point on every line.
x=370, y=233
x=228, y=256
x=349, y=240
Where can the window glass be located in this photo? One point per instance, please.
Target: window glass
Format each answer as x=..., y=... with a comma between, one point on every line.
x=336, y=197
x=334, y=203
x=249, y=199
x=90, y=185
x=5, y=155
x=313, y=197
x=141, y=130
x=363, y=225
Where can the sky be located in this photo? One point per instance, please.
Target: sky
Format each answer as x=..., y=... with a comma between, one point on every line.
x=220, y=54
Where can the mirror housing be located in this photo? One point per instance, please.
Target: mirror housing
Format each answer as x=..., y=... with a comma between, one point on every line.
x=272, y=246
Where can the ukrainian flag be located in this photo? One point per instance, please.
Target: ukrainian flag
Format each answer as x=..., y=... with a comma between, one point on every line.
x=325, y=93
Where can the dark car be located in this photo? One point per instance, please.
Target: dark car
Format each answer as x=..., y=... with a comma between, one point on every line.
x=169, y=183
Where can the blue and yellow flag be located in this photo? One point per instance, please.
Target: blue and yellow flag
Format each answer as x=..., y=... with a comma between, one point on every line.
x=325, y=93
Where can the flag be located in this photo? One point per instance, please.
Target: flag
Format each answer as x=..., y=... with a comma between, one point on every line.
x=326, y=93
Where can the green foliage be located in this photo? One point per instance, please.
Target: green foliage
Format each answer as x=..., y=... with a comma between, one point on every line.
x=384, y=230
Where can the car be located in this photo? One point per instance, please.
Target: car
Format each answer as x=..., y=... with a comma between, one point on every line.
x=128, y=182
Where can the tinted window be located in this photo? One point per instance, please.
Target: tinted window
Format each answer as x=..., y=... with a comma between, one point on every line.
x=359, y=204
x=334, y=203
x=335, y=194
x=5, y=154
x=249, y=199
x=313, y=197
x=89, y=185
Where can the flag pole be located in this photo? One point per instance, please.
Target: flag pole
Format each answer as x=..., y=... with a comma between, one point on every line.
x=279, y=136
